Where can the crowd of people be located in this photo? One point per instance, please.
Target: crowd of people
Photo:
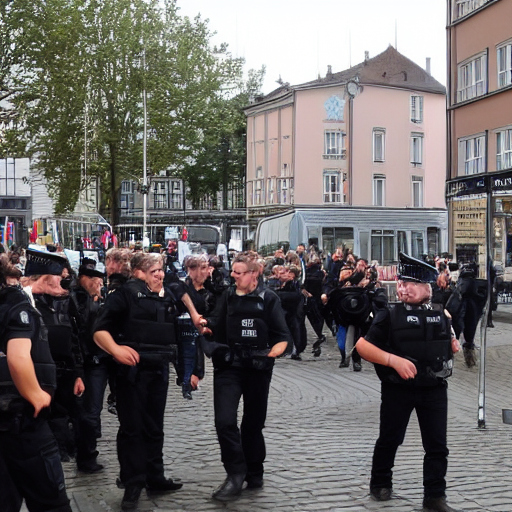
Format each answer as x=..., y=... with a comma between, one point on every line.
x=68, y=335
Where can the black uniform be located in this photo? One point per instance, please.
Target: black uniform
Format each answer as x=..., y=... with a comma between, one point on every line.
x=422, y=335
x=30, y=466
x=143, y=320
x=249, y=325
x=59, y=317
x=98, y=365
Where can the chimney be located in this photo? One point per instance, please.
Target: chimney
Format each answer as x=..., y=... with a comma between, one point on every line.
x=329, y=71
x=366, y=55
x=427, y=68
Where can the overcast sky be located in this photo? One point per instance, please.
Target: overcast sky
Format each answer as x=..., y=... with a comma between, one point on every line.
x=297, y=39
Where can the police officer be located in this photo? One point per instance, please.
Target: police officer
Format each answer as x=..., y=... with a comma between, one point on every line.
x=53, y=302
x=97, y=364
x=249, y=322
x=137, y=326
x=30, y=466
x=412, y=346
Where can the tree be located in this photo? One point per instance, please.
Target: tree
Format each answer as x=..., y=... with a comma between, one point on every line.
x=82, y=74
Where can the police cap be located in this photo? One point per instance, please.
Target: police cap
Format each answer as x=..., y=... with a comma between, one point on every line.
x=412, y=269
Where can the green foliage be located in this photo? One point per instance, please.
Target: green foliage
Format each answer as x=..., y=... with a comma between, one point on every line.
x=76, y=72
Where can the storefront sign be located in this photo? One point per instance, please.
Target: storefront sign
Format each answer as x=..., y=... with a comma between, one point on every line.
x=502, y=183
x=467, y=186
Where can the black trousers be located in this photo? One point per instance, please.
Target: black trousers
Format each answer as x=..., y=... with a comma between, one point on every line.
x=30, y=468
x=242, y=450
x=431, y=405
x=141, y=398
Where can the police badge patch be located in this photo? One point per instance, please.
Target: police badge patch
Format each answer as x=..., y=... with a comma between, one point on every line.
x=24, y=317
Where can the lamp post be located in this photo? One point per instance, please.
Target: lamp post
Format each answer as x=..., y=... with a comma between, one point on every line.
x=145, y=187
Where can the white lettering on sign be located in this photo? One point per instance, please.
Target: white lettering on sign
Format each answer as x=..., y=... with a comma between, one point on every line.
x=249, y=333
x=248, y=322
x=433, y=319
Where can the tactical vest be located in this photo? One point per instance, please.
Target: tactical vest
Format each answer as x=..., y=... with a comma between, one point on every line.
x=150, y=326
x=14, y=302
x=424, y=337
x=247, y=327
x=55, y=313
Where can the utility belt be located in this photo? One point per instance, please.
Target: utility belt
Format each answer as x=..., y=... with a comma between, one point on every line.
x=155, y=355
x=252, y=356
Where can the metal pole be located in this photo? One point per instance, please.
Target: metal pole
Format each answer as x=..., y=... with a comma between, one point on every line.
x=485, y=316
x=144, y=163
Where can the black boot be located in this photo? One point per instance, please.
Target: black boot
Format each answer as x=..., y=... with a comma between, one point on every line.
x=162, y=485
x=230, y=489
x=344, y=363
x=131, y=497
x=437, y=505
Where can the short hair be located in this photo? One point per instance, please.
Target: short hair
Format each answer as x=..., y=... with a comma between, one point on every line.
x=249, y=259
x=137, y=260
x=150, y=259
x=294, y=269
x=195, y=260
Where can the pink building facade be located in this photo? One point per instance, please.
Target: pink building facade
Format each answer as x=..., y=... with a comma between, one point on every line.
x=357, y=157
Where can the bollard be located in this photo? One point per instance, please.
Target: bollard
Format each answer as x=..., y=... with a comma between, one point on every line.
x=507, y=416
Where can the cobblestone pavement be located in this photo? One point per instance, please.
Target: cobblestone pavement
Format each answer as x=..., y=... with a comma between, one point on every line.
x=321, y=428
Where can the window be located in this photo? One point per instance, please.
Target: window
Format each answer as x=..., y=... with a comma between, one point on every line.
x=504, y=59
x=401, y=242
x=332, y=187
x=472, y=155
x=258, y=187
x=504, y=149
x=417, y=109
x=379, y=190
x=416, y=148
x=7, y=177
x=462, y=8
x=417, y=192
x=417, y=244
x=379, y=144
x=160, y=195
x=334, y=145
x=433, y=240
x=284, y=190
x=176, y=195
x=382, y=246
x=270, y=190
x=333, y=237
x=472, y=78
x=127, y=196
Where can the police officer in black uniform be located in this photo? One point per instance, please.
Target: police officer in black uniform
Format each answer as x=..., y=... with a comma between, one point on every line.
x=137, y=326
x=30, y=466
x=87, y=296
x=412, y=345
x=58, y=312
x=249, y=323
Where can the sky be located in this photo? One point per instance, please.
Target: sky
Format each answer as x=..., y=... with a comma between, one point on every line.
x=297, y=39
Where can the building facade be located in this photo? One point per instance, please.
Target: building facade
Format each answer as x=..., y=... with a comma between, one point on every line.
x=356, y=157
x=479, y=186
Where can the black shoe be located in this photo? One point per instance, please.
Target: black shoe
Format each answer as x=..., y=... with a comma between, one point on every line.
x=436, y=505
x=254, y=481
x=381, y=493
x=89, y=467
x=64, y=456
x=112, y=409
x=470, y=356
x=357, y=367
x=131, y=497
x=162, y=485
x=296, y=357
x=316, y=351
x=230, y=489
x=334, y=329
x=490, y=325
x=187, y=395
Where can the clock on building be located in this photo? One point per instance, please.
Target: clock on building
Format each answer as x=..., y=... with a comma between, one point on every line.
x=352, y=87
